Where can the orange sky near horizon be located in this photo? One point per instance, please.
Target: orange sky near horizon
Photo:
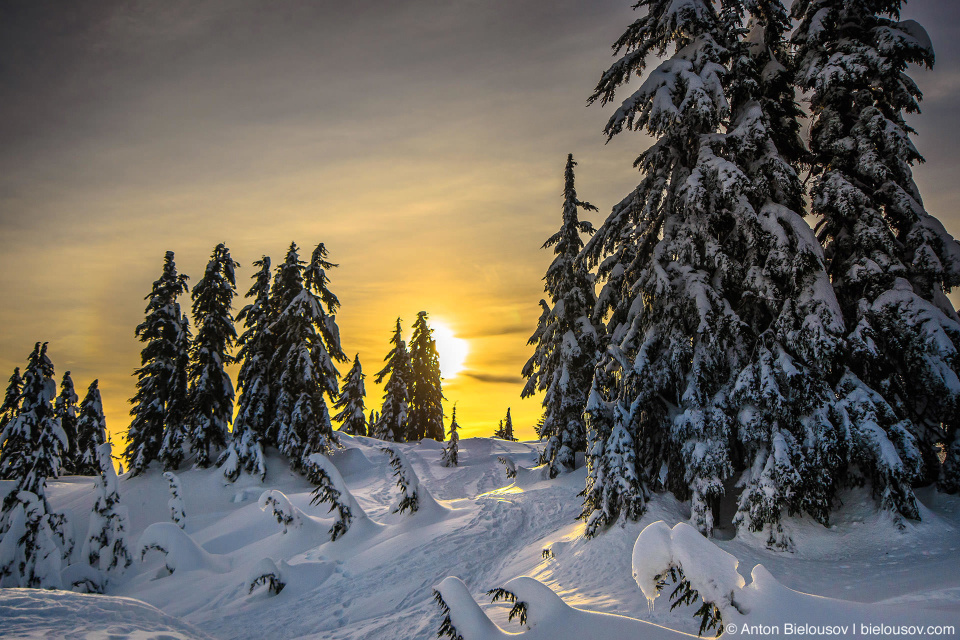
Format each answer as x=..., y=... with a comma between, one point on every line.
x=423, y=142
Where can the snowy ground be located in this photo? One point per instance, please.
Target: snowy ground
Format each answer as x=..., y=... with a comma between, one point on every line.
x=377, y=581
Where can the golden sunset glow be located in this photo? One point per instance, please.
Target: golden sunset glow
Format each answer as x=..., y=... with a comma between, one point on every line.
x=424, y=144
x=453, y=350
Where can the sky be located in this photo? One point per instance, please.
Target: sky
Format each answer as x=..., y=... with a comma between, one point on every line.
x=422, y=141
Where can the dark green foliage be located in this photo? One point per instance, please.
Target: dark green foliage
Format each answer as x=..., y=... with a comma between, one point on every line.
x=251, y=429
x=65, y=408
x=327, y=493
x=505, y=430
x=446, y=630
x=211, y=391
x=392, y=423
x=159, y=405
x=91, y=432
x=351, y=417
x=567, y=343
x=519, y=609
x=306, y=344
x=685, y=595
x=425, y=416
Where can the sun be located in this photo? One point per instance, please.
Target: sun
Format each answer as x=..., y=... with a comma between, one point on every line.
x=452, y=350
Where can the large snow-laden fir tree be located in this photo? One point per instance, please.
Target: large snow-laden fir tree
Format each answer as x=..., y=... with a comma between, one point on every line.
x=211, y=390
x=352, y=416
x=11, y=398
x=722, y=323
x=91, y=432
x=65, y=408
x=256, y=393
x=307, y=342
x=425, y=417
x=34, y=443
x=159, y=404
x=890, y=261
x=392, y=422
x=9, y=442
x=566, y=341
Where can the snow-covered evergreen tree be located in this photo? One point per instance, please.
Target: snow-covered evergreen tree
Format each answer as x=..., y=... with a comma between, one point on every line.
x=29, y=553
x=351, y=417
x=158, y=406
x=722, y=326
x=12, y=447
x=372, y=423
x=106, y=546
x=34, y=443
x=91, y=432
x=211, y=390
x=425, y=415
x=505, y=430
x=176, y=431
x=392, y=424
x=177, y=513
x=65, y=408
x=256, y=393
x=451, y=452
x=891, y=262
x=11, y=399
x=566, y=342
x=307, y=342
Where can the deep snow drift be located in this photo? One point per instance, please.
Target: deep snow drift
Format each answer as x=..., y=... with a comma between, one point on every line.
x=252, y=564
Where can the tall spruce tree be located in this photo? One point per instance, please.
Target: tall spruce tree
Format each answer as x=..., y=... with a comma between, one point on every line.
x=351, y=417
x=65, y=408
x=722, y=324
x=8, y=411
x=425, y=417
x=566, y=341
x=211, y=390
x=257, y=393
x=91, y=432
x=890, y=261
x=11, y=398
x=392, y=423
x=158, y=406
x=176, y=431
x=34, y=442
x=307, y=344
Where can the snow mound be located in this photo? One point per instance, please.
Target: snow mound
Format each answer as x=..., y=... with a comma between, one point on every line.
x=37, y=613
x=710, y=570
x=180, y=550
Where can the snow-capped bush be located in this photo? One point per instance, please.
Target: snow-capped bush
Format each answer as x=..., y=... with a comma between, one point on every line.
x=266, y=572
x=696, y=565
x=179, y=549
x=332, y=490
x=105, y=547
x=407, y=480
x=285, y=513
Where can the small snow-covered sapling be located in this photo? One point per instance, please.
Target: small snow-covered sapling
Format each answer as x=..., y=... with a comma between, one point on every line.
x=177, y=513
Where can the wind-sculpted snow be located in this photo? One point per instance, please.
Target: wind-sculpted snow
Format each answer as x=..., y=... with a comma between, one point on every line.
x=180, y=551
x=36, y=613
x=377, y=579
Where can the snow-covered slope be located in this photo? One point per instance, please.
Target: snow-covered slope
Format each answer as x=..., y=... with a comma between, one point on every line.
x=377, y=580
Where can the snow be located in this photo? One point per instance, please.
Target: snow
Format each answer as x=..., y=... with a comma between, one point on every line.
x=36, y=613
x=377, y=580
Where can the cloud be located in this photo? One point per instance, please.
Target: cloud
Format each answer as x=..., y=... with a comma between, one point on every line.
x=492, y=377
